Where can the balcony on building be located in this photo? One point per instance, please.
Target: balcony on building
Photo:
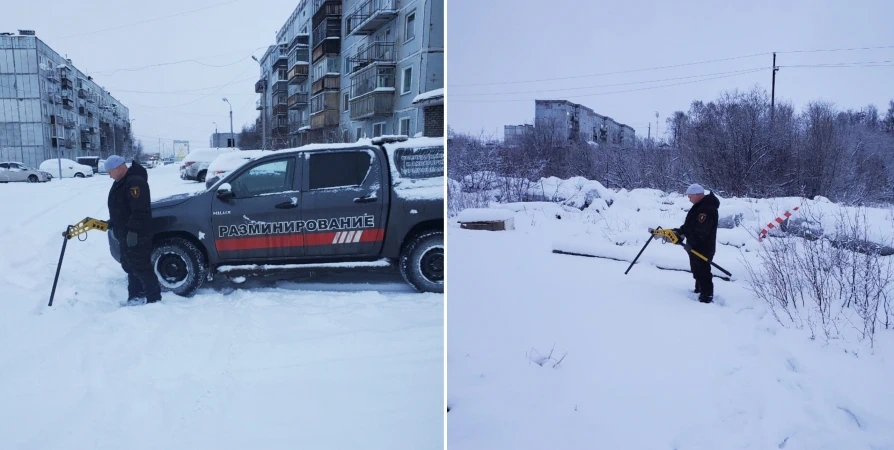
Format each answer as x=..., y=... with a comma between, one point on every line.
x=327, y=75
x=327, y=38
x=259, y=104
x=281, y=125
x=370, y=16
x=372, y=92
x=86, y=145
x=82, y=110
x=281, y=55
x=298, y=125
x=280, y=81
x=260, y=85
x=67, y=102
x=324, y=9
x=324, y=111
x=299, y=63
x=82, y=93
x=280, y=105
x=298, y=100
x=379, y=53
x=66, y=83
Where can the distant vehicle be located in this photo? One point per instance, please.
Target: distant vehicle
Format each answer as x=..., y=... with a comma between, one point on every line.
x=195, y=165
x=92, y=161
x=229, y=162
x=16, y=171
x=70, y=169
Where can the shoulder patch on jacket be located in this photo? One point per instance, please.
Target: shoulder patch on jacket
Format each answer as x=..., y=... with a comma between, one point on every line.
x=135, y=192
x=702, y=217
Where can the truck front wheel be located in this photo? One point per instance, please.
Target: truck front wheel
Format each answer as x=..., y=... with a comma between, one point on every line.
x=422, y=262
x=179, y=265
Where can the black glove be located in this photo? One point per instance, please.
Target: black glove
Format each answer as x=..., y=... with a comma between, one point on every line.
x=131, y=239
x=680, y=235
x=110, y=223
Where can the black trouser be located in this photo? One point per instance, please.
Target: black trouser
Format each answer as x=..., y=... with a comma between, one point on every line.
x=141, y=279
x=701, y=271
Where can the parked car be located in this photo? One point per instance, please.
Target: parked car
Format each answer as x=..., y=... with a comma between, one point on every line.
x=229, y=162
x=16, y=171
x=70, y=169
x=195, y=165
x=370, y=202
x=92, y=161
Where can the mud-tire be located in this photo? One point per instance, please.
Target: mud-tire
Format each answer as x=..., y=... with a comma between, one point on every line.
x=33, y=179
x=201, y=176
x=411, y=256
x=191, y=256
x=79, y=175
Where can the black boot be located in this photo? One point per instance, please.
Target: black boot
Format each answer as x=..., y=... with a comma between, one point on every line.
x=698, y=288
x=706, y=298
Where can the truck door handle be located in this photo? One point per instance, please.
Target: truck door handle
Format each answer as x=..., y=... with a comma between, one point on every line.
x=365, y=199
x=286, y=205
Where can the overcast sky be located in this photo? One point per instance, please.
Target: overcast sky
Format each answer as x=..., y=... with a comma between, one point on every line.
x=502, y=41
x=228, y=33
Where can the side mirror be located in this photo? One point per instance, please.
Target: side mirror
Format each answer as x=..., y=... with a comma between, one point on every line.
x=224, y=191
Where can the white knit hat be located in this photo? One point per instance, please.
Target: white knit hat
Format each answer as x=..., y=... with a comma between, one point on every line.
x=695, y=189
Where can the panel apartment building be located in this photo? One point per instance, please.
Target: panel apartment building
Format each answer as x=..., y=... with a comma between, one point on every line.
x=344, y=70
x=573, y=122
x=49, y=108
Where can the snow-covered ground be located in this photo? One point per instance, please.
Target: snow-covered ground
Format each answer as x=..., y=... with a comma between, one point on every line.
x=336, y=363
x=556, y=351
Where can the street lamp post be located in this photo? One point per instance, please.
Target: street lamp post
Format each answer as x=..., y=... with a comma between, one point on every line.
x=231, y=123
x=216, y=137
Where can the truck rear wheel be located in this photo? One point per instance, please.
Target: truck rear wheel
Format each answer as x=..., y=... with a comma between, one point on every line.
x=422, y=262
x=179, y=265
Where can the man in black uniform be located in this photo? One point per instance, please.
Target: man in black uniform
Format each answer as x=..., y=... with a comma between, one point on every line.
x=130, y=219
x=700, y=231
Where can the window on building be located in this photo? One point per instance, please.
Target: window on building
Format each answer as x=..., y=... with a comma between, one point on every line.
x=410, y=27
x=338, y=169
x=405, y=126
x=359, y=134
x=378, y=129
x=407, y=81
x=346, y=101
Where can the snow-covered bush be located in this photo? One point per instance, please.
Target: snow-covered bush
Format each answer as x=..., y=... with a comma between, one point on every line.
x=827, y=283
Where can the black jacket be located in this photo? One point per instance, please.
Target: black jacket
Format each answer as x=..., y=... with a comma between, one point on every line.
x=700, y=227
x=130, y=204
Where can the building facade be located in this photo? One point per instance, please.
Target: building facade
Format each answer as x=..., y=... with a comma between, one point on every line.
x=49, y=108
x=344, y=70
x=578, y=122
x=218, y=140
x=514, y=133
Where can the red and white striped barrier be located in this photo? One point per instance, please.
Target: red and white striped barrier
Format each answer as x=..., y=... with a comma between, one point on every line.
x=772, y=225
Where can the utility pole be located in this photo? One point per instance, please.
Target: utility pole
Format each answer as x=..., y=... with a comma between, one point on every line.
x=650, y=131
x=773, y=91
x=656, y=124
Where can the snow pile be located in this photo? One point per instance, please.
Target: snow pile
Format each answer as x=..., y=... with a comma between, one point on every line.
x=484, y=215
x=354, y=361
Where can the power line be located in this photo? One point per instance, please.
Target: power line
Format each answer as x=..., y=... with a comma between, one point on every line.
x=233, y=81
x=614, y=92
x=181, y=91
x=171, y=63
x=610, y=85
x=151, y=20
x=613, y=73
x=845, y=65
x=839, y=49
x=668, y=66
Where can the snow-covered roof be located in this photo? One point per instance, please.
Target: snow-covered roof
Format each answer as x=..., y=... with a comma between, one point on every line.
x=430, y=95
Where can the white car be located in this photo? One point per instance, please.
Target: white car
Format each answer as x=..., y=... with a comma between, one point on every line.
x=70, y=169
x=228, y=162
x=195, y=165
x=16, y=171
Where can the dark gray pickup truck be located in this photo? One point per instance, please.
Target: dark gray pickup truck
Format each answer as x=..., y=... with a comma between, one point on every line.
x=351, y=204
